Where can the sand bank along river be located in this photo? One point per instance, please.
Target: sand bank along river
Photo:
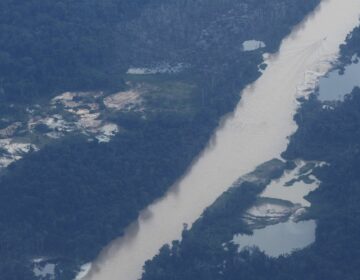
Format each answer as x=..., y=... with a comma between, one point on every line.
x=256, y=132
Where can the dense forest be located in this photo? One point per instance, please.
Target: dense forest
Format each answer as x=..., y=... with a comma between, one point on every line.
x=326, y=133
x=49, y=47
x=71, y=198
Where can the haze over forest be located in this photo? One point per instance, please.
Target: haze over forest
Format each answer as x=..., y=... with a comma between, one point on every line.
x=179, y=139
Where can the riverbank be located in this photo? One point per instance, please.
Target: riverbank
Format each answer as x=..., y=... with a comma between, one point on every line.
x=73, y=197
x=200, y=256
x=258, y=121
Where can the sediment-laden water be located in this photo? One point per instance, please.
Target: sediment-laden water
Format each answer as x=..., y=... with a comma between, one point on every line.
x=256, y=132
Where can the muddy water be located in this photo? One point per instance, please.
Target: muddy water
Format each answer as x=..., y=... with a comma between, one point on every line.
x=256, y=132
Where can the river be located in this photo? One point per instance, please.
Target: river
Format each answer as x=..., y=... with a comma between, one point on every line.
x=256, y=132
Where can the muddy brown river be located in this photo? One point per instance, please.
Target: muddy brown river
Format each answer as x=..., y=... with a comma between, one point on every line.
x=256, y=132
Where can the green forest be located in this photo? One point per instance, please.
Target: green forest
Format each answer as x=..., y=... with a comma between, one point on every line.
x=49, y=47
x=73, y=197
x=334, y=138
x=330, y=135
